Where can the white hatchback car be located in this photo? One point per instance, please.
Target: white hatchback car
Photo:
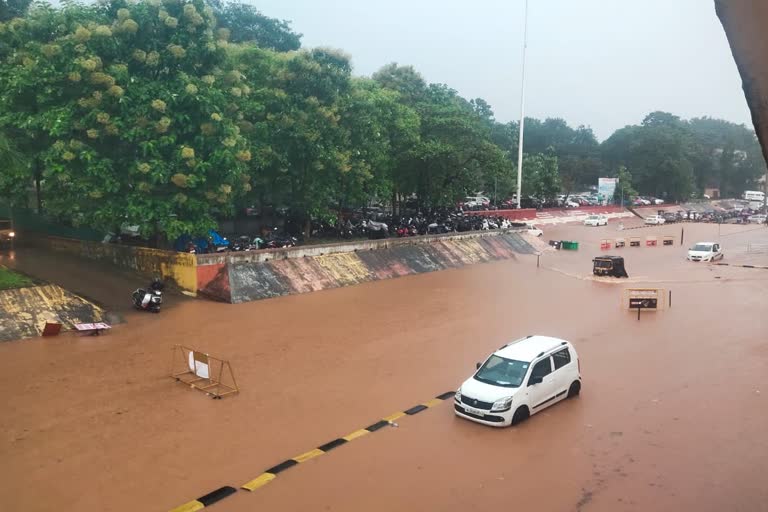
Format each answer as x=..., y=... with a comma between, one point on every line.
x=705, y=251
x=520, y=379
x=533, y=230
x=655, y=219
x=596, y=220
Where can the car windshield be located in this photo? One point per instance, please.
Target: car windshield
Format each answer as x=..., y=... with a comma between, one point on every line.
x=499, y=371
x=702, y=247
x=592, y=217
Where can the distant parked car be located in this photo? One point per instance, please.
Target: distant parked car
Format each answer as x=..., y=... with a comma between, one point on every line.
x=670, y=217
x=527, y=227
x=533, y=230
x=757, y=218
x=654, y=220
x=656, y=200
x=596, y=220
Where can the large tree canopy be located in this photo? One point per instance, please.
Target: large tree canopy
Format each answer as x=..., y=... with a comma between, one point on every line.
x=171, y=114
x=131, y=111
x=669, y=157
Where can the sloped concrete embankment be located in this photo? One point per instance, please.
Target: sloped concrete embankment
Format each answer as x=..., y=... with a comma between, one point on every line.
x=248, y=277
x=24, y=311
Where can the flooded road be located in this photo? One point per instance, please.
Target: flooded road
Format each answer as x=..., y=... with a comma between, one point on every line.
x=671, y=416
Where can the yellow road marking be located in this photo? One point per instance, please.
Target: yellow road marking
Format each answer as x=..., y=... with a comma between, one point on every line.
x=308, y=455
x=260, y=481
x=433, y=402
x=357, y=433
x=191, y=506
x=393, y=417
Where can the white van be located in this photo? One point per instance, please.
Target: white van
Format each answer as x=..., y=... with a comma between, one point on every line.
x=518, y=380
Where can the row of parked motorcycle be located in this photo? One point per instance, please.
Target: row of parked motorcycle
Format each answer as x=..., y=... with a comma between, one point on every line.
x=215, y=243
x=377, y=226
x=385, y=226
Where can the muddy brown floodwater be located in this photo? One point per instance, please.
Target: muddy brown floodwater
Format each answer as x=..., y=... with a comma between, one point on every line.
x=672, y=415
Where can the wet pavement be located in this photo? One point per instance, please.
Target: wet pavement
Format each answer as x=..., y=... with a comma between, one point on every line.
x=671, y=417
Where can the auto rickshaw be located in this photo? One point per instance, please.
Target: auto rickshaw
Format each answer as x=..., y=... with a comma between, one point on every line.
x=609, y=266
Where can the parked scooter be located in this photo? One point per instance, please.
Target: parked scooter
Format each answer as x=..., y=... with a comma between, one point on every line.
x=376, y=230
x=151, y=298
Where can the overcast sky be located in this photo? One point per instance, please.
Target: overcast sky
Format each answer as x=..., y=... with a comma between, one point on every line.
x=602, y=63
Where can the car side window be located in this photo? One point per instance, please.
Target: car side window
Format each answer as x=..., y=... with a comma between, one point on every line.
x=561, y=358
x=542, y=368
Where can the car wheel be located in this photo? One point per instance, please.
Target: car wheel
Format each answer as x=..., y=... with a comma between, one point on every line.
x=521, y=414
x=574, y=390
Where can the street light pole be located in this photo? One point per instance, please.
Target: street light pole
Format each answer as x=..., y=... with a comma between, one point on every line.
x=522, y=118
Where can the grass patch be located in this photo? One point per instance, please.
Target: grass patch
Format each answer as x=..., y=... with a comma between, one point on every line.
x=10, y=280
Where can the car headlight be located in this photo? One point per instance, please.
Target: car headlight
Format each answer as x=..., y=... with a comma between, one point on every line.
x=502, y=405
x=457, y=396
x=12, y=234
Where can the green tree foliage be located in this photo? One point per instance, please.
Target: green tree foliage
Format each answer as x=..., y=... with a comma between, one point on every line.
x=541, y=176
x=577, y=149
x=454, y=154
x=14, y=178
x=248, y=24
x=10, y=9
x=728, y=157
x=657, y=153
x=306, y=133
x=624, y=191
x=167, y=114
x=379, y=128
x=133, y=114
x=673, y=158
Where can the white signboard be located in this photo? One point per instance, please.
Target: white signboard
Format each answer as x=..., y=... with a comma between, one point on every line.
x=198, y=368
x=605, y=189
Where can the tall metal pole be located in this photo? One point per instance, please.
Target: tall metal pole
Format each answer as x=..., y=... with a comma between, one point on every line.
x=522, y=118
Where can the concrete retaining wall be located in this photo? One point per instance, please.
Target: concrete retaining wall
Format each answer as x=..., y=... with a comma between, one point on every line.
x=180, y=268
x=269, y=274
x=24, y=311
x=244, y=276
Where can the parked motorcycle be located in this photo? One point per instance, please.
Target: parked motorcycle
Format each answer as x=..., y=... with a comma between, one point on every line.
x=149, y=299
x=376, y=230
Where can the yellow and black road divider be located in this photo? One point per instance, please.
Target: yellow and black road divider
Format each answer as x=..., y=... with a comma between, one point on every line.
x=207, y=500
x=740, y=266
x=272, y=473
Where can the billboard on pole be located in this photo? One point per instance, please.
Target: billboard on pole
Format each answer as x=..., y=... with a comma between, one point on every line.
x=605, y=189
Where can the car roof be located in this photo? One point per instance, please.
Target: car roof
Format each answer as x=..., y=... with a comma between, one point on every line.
x=704, y=243
x=529, y=348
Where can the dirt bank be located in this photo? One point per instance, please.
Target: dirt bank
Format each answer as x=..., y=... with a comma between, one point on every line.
x=671, y=417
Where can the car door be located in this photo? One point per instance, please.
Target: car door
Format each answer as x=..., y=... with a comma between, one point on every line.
x=716, y=252
x=563, y=373
x=542, y=394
